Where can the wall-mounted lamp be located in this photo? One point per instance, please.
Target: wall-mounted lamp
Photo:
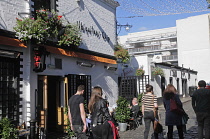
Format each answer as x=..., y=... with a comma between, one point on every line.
x=84, y=64
x=126, y=26
x=110, y=68
x=10, y=54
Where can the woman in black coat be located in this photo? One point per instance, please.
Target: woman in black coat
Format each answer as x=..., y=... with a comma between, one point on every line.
x=102, y=123
x=172, y=118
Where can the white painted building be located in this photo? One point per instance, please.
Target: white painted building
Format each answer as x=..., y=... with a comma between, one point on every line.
x=161, y=48
x=194, y=44
x=47, y=92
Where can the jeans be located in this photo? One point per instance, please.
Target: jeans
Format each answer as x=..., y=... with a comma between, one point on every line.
x=170, y=132
x=148, y=118
x=203, y=124
x=79, y=133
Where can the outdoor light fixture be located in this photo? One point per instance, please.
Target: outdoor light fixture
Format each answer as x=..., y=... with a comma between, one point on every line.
x=126, y=26
x=10, y=54
x=113, y=68
x=84, y=64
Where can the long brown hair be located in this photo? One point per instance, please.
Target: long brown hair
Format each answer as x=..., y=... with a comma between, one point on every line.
x=170, y=89
x=96, y=95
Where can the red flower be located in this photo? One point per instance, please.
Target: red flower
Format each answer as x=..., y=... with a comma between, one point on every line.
x=59, y=17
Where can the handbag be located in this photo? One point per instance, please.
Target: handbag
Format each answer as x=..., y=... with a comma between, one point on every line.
x=174, y=106
x=158, y=128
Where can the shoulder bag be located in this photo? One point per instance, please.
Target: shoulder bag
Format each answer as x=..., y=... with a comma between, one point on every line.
x=174, y=107
x=158, y=128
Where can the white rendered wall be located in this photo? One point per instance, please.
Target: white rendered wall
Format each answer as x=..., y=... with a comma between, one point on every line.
x=9, y=10
x=193, y=44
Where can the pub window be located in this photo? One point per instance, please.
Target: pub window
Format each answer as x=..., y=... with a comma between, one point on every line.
x=44, y=4
x=9, y=88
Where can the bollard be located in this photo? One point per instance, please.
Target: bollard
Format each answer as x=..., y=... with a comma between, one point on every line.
x=32, y=129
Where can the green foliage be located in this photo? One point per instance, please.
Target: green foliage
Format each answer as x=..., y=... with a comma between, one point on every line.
x=47, y=26
x=122, y=113
x=139, y=100
x=7, y=130
x=122, y=54
x=68, y=129
x=140, y=72
x=158, y=71
x=70, y=36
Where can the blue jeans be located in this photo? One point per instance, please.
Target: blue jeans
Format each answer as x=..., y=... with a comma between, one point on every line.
x=78, y=130
x=203, y=124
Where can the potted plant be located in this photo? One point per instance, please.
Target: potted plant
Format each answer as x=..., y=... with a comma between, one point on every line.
x=7, y=130
x=122, y=113
x=47, y=26
x=140, y=71
x=122, y=54
x=158, y=71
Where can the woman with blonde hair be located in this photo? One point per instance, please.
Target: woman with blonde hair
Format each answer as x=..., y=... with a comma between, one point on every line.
x=100, y=116
x=149, y=102
x=172, y=118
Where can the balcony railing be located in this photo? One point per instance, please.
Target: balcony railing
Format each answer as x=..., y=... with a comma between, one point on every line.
x=152, y=49
x=152, y=37
x=170, y=58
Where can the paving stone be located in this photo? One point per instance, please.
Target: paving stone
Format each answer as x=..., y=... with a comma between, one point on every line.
x=191, y=125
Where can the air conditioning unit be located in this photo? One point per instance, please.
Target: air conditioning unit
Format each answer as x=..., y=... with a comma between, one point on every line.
x=157, y=59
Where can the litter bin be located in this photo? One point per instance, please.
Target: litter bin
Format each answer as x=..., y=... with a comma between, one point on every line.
x=192, y=89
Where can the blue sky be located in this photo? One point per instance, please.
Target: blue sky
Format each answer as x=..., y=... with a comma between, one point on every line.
x=149, y=22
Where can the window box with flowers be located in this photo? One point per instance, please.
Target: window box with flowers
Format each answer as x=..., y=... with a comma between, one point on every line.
x=158, y=71
x=140, y=72
x=47, y=26
x=122, y=54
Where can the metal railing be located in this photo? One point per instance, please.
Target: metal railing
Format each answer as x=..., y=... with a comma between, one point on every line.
x=151, y=49
x=170, y=58
x=152, y=37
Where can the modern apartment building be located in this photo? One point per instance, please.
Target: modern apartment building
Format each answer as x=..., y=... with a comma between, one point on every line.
x=160, y=44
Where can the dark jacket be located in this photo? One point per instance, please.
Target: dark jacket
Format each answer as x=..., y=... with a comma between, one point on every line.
x=172, y=118
x=201, y=100
x=100, y=113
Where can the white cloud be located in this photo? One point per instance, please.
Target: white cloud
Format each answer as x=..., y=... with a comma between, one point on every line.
x=142, y=28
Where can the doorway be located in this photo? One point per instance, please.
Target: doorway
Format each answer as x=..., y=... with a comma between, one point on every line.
x=48, y=99
x=53, y=95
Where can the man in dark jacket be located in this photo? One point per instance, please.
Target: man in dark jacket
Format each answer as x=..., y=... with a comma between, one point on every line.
x=201, y=106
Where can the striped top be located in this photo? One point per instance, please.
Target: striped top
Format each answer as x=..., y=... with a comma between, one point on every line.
x=147, y=101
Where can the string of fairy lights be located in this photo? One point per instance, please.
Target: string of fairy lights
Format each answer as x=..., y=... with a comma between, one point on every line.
x=162, y=7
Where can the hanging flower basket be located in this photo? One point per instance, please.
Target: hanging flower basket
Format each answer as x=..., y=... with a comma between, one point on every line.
x=122, y=54
x=158, y=71
x=140, y=72
x=47, y=26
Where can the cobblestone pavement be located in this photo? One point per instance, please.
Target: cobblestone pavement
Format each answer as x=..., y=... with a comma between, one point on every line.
x=191, y=125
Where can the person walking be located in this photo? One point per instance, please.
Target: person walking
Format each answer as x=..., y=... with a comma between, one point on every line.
x=149, y=102
x=102, y=124
x=76, y=113
x=201, y=106
x=172, y=118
